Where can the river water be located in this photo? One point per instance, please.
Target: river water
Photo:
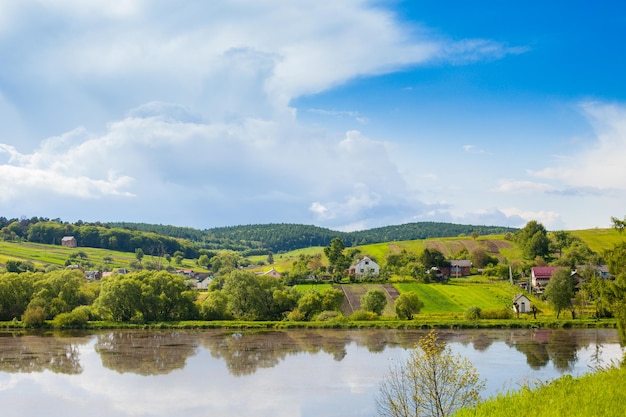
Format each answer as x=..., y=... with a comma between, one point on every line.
x=262, y=373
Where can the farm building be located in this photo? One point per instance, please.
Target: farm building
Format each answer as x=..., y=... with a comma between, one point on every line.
x=457, y=268
x=69, y=241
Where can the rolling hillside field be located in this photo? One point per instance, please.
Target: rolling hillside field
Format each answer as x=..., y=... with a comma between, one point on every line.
x=457, y=296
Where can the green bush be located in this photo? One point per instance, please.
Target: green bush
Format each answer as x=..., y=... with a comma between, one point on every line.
x=34, y=316
x=361, y=315
x=497, y=313
x=75, y=319
x=296, y=315
x=473, y=313
x=329, y=315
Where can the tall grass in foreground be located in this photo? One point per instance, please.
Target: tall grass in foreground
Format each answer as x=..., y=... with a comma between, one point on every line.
x=602, y=394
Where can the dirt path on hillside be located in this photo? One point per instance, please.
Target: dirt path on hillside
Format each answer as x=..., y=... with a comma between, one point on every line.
x=353, y=293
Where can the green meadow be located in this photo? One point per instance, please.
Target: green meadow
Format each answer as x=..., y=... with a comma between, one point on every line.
x=600, y=394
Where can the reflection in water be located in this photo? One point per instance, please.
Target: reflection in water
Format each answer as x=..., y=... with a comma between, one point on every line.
x=146, y=352
x=155, y=353
x=29, y=353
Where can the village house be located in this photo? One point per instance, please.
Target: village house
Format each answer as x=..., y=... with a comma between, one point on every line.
x=601, y=271
x=540, y=276
x=69, y=241
x=203, y=281
x=458, y=268
x=272, y=273
x=93, y=275
x=363, y=267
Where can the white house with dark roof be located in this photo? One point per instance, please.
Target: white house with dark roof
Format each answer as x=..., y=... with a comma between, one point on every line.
x=365, y=266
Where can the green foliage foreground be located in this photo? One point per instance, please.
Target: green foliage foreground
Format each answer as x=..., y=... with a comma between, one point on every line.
x=599, y=394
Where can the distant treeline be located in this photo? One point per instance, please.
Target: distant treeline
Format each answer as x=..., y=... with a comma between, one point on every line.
x=283, y=237
x=257, y=239
x=97, y=235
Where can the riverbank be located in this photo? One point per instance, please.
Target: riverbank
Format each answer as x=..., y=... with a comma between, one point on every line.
x=344, y=323
x=599, y=394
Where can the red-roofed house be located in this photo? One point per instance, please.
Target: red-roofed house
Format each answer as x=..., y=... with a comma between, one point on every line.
x=540, y=276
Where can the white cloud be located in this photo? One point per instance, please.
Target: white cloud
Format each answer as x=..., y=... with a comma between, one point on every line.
x=600, y=165
x=181, y=114
x=550, y=219
x=526, y=187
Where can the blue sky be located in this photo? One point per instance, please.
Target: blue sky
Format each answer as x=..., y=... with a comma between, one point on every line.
x=347, y=115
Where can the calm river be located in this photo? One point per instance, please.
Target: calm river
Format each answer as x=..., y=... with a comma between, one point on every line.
x=291, y=373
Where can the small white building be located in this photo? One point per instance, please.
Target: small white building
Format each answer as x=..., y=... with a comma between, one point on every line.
x=521, y=303
x=365, y=266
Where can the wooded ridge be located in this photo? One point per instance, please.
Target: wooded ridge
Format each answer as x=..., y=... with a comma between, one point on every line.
x=258, y=239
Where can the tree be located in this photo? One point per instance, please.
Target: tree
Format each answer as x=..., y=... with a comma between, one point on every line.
x=139, y=254
x=432, y=382
x=215, y=306
x=433, y=258
x=407, y=304
x=534, y=241
x=339, y=262
x=560, y=290
x=618, y=224
x=561, y=239
x=331, y=298
x=204, y=261
x=374, y=301
x=310, y=304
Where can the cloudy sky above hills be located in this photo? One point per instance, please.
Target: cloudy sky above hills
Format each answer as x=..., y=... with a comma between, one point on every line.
x=348, y=115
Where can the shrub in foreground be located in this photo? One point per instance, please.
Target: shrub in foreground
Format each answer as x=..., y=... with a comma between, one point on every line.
x=472, y=313
x=362, y=315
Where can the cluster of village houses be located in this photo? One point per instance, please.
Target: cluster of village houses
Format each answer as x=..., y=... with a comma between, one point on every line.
x=539, y=275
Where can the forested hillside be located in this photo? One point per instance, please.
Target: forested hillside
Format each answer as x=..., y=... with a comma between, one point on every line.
x=282, y=237
x=257, y=239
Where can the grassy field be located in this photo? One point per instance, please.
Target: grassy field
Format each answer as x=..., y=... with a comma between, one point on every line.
x=462, y=293
x=43, y=255
x=599, y=394
x=599, y=240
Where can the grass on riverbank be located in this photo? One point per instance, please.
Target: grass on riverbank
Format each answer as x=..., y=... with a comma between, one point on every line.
x=422, y=322
x=599, y=394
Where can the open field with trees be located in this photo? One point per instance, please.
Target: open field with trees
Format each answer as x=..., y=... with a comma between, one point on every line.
x=315, y=285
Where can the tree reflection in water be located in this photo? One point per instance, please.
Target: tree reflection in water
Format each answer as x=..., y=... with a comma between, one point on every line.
x=33, y=353
x=148, y=352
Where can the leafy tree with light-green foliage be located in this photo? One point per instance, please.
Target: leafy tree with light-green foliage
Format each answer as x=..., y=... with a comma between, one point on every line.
x=310, y=304
x=560, y=290
x=146, y=296
x=251, y=297
x=408, y=304
x=331, y=298
x=16, y=291
x=215, y=306
x=374, y=301
x=433, y=382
